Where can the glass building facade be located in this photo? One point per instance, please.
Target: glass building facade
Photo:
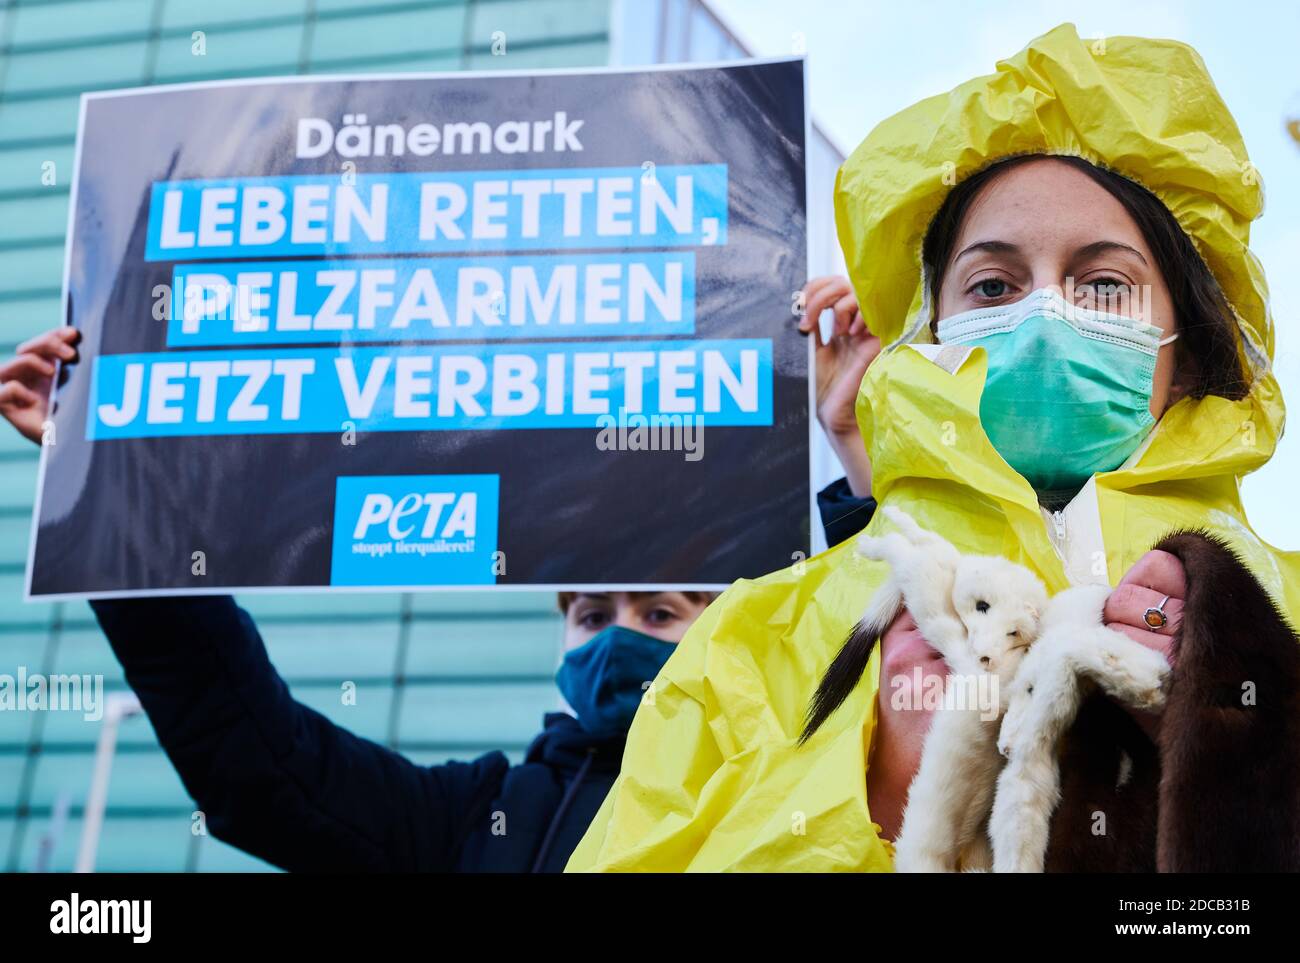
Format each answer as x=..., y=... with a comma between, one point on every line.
x=437, y=676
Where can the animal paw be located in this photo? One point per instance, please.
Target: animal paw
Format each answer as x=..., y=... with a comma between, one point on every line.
x=1152, y=698
x=1135, y=674
x=890, y=547
x=871, y=546
x=1010, y=728
x=904, y=522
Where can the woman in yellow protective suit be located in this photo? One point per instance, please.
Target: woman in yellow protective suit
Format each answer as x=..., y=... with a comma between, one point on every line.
x=1070, y=443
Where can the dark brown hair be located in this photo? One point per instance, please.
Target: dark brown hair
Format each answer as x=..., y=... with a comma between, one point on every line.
x=1206, y=350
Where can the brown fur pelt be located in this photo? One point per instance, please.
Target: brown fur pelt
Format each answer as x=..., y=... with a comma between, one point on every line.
x=1221, y=791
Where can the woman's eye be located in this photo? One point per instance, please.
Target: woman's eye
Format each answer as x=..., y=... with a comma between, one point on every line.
x=1104, y=290
x=661, y=616
x=592, y=620
x=991, y=288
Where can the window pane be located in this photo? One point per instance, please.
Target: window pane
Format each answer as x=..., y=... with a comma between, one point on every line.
x=423, y=31
x=230, y=52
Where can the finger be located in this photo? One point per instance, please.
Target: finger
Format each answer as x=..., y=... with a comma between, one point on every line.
x=15, y=395
x=859, y=325
x=819, y=287
x=817, y=302
x=826, y=280
x=846, y=307
x=27, y=368
x=22, y=407
x=1159, y=571
x=1151, y=640
x=1128, y=604
x=51, y=344
x=812, y=311
x=47, y=344
x=830, y=287
x=67, y=333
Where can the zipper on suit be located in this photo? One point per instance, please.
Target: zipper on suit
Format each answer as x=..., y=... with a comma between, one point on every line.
x=1078, y=541
x=1058, y=535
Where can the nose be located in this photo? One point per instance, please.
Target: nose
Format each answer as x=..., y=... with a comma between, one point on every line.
x=626, y=615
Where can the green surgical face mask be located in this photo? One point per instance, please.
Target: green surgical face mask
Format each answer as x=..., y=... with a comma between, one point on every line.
x=1068, y=392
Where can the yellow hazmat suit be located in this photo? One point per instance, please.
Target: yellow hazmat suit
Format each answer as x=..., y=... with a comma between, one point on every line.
x=713, y=777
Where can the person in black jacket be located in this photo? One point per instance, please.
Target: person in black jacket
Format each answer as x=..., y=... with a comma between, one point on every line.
x=280, y=781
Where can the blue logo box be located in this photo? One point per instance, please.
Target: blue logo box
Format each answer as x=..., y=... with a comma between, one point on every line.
x=400, y=530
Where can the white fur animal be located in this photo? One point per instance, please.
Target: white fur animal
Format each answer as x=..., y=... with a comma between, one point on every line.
x=981, y=613
x=1074, y=651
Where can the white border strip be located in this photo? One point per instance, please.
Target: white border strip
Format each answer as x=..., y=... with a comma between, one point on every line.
x=58, y=367
x=382, y=590
x=816, y=536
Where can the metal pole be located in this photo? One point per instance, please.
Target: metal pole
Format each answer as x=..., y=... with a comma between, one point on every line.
x=117, y=707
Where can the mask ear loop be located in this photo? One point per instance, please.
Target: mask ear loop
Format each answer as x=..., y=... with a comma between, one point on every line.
x=1169, y=340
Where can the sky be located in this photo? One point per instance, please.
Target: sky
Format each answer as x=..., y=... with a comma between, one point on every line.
x=869, y=59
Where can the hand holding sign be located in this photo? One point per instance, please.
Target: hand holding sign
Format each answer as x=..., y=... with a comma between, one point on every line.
x=842, y=360
x=27, y=378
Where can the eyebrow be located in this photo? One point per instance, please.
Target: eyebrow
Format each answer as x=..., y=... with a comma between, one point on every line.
x=1105, y=247
x=652, y=596
x=1088, y=250
x=989, y=247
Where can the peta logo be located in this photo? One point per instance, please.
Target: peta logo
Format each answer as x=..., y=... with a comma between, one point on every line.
x=415, y=530
x=425, y=511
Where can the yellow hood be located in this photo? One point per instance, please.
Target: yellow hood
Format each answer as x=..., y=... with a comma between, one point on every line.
x=713, y=778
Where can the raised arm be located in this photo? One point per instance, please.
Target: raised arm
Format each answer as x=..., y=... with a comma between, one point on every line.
x=271, y=776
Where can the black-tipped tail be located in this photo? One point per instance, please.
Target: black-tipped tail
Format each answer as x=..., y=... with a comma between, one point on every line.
x=842, y=677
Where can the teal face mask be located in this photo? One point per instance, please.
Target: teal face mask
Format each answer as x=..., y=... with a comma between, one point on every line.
x=1068, y=392
x=604, y=679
